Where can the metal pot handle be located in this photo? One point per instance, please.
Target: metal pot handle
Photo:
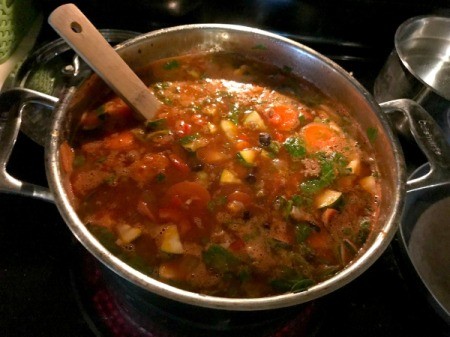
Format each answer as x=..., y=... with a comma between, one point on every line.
x=430, y=138
x=11, y=103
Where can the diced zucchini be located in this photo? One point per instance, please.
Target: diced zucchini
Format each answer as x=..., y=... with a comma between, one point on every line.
x=202, y=178
x=354, y=166
x=254, y=121
x=267, y=154
x=156, y=125
x=193, y=142
x=195, y=74
x=229, y=129
x=127, y=234
x=171, y=242
x=327, y=198
x=248, y=156
x=368, y=184
x=228, y=177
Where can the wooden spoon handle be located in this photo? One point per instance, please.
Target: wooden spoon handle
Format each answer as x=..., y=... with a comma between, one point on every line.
x=73, y=26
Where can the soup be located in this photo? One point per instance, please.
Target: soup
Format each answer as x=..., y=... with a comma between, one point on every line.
x=249, y=183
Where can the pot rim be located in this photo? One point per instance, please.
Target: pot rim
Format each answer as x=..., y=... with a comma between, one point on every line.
x=350, y=272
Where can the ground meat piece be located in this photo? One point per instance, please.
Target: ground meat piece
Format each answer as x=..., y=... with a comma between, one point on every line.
x=312, y=167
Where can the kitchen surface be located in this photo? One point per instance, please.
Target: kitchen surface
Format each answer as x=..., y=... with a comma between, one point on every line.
x=51, y=286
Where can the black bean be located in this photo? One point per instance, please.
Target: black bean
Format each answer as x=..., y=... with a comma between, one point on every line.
x=246, y=215
x=250, y=178
x=197, y=167
x=264, y=139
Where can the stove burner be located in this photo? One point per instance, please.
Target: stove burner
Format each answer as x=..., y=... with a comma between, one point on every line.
x=109, y=317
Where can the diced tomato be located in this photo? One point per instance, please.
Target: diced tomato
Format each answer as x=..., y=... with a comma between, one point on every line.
x=170, y=214
x=278, y=136
x=198, y=119
x=117, y=107
x=90, y=120
x=237, y=245
x=176, y=216
x=182, y=128
x=145, y=169
x=241, y=144
x=322, y=243
x=192, y=195
x=120, y=141
x=284, y=118
x=144, y=209
x=179, y=163
x=242, y=197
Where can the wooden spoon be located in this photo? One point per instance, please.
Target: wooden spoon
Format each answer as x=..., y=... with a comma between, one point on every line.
x=74, y=27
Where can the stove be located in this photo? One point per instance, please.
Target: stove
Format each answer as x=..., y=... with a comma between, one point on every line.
x=49, y=284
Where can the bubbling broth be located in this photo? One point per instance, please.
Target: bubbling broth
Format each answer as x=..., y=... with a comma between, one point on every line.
x=249, y=183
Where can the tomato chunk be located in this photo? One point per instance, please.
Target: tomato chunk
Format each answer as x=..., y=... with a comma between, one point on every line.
x=188, y=195
x=284, y=118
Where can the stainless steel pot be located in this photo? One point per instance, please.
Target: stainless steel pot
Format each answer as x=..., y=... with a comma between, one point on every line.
x=418, y=67
x=139, y=289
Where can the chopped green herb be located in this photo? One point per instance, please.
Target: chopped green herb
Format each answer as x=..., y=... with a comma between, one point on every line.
x=216, y=202
x=220, y=259
x=295, y=147
x=233, y=114
x=111, y=180
x=301, y=118
x=273, y=148
x=160, y=177
x=283, y=205
x=79, y=160
x=327, y=176
x=108, y=240
x=105, y=236
x=302, y=231
x=101, y=113
x=292, y=284
x=157, y=124
x=161, y=85
x=172, y=64
x=372, y=134
x=363, y=232
x=278, y=244
x=287, y=69
x=188, y=139
x=259, y=46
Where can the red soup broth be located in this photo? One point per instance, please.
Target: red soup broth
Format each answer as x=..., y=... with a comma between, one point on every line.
x=250, y=181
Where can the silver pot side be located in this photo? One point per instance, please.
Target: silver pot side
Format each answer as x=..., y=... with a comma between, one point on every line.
x=418, y=67
x=266, y=47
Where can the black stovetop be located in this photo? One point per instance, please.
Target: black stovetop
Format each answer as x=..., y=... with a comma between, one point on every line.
x=40, y=292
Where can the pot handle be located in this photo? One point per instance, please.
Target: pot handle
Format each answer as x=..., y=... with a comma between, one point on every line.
x=11, y=104
x=430, y=138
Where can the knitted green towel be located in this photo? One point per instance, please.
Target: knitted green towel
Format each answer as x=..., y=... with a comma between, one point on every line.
x=16, y=18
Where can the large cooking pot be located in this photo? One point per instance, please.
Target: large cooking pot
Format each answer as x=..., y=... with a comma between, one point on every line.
x=418, y=67
x=138, y=288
